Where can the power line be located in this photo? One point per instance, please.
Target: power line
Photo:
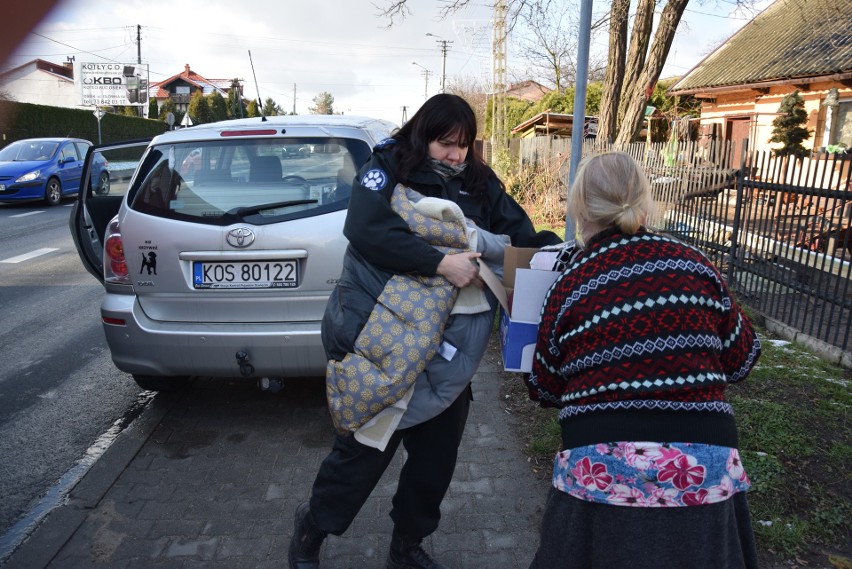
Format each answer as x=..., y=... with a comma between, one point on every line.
x=72, y=47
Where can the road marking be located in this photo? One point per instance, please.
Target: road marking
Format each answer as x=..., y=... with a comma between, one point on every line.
x=28, y=213
x=30, y=255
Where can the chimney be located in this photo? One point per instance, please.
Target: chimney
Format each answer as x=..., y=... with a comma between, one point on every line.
x=186, y=69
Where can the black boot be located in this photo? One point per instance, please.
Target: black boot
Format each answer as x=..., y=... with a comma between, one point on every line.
x=306, y=541
x=406, y=553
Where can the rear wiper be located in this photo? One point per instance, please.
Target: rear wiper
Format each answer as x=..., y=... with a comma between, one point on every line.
x=244, y=211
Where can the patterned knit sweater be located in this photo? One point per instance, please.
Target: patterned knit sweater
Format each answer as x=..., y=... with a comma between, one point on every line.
x=639, y=319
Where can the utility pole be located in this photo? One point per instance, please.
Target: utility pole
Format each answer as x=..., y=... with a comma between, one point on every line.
x=444, y=47
x=294, y=98
x=578, y=127
x=426, y=74
x=139, y=97
x=498, y=69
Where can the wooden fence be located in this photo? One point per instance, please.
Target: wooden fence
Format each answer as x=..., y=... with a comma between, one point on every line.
x=779, y=228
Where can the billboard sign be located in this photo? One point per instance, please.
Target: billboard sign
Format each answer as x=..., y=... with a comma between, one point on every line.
x=111, y=84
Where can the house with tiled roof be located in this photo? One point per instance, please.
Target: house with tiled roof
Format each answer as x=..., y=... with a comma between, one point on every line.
x=527, y=91
x=41, y=82
x=803, y=45
x=180, y=88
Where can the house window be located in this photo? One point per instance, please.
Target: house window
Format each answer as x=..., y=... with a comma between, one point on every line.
x=841, y=124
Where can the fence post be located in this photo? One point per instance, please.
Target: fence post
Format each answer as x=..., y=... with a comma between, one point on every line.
x=745, y=164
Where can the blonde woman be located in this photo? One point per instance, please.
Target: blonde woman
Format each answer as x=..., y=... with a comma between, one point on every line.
x=638, y=339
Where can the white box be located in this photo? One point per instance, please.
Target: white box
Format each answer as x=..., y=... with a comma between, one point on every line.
x=519, y=325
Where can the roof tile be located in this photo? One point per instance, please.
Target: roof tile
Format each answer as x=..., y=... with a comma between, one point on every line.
x=790, y=39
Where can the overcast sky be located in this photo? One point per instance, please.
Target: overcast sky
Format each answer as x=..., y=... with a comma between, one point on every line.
x=309, y=46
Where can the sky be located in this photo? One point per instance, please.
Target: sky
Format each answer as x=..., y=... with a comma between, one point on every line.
x=292, y=50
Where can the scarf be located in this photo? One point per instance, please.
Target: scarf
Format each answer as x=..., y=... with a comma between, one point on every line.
x=446, y=171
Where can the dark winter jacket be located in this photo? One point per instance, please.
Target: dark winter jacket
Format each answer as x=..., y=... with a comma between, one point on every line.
x=381, y=244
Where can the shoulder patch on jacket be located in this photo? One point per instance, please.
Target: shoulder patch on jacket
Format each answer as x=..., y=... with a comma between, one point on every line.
x=384, y=143
x=375, y=179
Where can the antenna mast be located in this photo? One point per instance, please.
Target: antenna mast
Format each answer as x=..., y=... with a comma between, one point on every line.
x=259, y=100
x=498, y=108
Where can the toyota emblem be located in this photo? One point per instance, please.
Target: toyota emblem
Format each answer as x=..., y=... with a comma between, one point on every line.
x=240, y=237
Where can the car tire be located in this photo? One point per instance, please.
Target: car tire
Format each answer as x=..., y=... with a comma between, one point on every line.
x=53, y=192
x=161, y=382
x=102, y=187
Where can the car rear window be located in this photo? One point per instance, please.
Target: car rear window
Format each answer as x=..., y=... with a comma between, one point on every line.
x=250, y=180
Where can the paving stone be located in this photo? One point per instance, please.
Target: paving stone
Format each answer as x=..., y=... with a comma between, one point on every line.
x=216, y=482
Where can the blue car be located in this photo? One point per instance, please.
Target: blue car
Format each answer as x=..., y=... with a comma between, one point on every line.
x=48, y=169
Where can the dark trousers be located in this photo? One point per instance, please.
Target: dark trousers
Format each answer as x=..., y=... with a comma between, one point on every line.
x=349, y=473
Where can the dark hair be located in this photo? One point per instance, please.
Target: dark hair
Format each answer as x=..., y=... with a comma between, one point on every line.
x=440, y=116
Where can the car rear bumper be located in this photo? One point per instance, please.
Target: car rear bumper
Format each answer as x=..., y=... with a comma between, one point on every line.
x=146, y=347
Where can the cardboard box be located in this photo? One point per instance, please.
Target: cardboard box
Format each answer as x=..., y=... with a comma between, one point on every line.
x=517, y=343
x=519, y=322
x=515, y=258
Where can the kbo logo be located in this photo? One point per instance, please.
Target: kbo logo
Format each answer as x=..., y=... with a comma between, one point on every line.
x=102, y=81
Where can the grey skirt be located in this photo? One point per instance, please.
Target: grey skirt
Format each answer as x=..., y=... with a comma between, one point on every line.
x=587, y=535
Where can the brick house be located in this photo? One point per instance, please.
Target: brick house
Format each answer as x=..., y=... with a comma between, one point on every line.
x=803, y=45
x=527, y=91
x=180, y=88
x=41, y=82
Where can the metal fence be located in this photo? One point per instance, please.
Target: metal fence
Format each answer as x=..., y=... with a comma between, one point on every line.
x=779, y=228
x=782, y=233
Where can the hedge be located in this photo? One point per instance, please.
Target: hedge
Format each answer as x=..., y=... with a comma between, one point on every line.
x=25, y=120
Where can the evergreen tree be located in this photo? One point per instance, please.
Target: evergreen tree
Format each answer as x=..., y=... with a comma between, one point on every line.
x=153, y=109
x=253, y=110
x=218, y=107
x=166, y=108
x=788, y=126
x=271, y=108
x=323, y=104
x=198, y=109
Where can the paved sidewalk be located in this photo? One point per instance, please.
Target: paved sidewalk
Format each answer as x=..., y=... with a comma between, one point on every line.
x=210, y=478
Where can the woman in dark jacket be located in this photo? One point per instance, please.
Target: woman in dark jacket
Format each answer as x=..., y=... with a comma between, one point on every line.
x=433, y=153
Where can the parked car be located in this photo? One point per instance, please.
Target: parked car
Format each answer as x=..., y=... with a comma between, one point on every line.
x=48, y=169
x=219, y=258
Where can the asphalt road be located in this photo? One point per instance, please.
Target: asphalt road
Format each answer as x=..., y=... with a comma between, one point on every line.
x=61, y=398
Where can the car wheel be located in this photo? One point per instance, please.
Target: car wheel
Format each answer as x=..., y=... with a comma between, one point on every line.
x=161, y=382
x=102, y=188
x=53, y=192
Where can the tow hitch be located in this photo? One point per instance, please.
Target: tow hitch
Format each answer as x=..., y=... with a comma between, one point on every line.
x=246, y=369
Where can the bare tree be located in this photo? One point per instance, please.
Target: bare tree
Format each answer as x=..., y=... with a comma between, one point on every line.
x=550, y=48
x=631, y=73
x=471, y=91
x=614, y=77
x=323, y=104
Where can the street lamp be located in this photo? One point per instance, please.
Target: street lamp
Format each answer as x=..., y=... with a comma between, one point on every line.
x=443, y=43
x=426, y=74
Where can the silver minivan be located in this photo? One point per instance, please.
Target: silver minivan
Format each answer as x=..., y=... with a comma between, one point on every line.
x=218, y=245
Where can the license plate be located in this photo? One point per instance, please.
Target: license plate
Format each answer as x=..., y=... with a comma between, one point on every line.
x=255, y=274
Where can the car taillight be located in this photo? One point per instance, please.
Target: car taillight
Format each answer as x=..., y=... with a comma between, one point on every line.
x=115, y=264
